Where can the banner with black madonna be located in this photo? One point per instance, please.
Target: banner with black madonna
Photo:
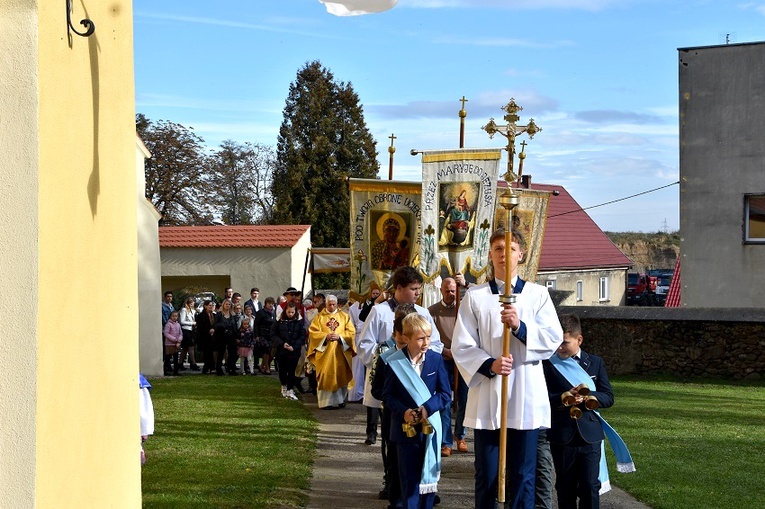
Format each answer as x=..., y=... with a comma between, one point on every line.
x=385, y=231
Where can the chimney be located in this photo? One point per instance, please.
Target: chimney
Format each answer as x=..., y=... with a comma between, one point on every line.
x=526, y=181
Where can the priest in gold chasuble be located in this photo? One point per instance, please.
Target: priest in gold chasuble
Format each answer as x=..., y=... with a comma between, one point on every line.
x=330, y=349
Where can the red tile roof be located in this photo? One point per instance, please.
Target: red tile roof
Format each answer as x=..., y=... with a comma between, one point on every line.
x=231, y=236
x=572, y=239
x=674, y=293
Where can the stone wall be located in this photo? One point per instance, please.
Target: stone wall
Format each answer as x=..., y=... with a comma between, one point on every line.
x=719, y=343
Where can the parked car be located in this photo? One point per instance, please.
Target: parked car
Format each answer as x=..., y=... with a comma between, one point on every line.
x=662, y=287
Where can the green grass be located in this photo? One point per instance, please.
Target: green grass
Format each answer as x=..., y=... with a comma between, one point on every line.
x=234, y=442
x=227, y=442
x=696, y=444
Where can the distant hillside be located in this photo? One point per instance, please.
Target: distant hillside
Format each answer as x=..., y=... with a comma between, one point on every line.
x=648, y=250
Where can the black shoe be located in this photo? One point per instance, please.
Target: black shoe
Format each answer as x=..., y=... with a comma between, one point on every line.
x=341, y=405
x=195, y=368
x=181, y=368
x=383, y=495
x=299, y=388
x=369, y=442
x=436, y=500
x=220, y=372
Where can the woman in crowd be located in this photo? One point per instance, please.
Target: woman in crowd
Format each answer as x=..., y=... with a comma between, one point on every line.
x=205, y=335
x=288, y=336
x=264, y=320
x=225, y=333
x=188, y=328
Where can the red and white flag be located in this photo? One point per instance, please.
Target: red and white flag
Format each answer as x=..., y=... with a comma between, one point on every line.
x=357, y=7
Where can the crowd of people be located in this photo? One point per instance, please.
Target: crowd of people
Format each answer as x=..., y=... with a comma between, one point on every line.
x=409, y=366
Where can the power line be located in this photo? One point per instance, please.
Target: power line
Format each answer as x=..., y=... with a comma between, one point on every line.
x=615, y=201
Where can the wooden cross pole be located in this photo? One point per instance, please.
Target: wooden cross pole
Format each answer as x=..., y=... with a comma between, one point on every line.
x=391, y=151
x=463, y=114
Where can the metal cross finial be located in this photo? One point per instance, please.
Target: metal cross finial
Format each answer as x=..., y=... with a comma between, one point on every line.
x=510, y=131
x=391, y=150
x=463, y=100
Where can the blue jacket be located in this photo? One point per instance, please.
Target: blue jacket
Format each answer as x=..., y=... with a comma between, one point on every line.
x=398, y=400
x=589, y=427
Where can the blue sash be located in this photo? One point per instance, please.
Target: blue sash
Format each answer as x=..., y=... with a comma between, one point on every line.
x=575, y=375
x=391, y=344
x=415, y=386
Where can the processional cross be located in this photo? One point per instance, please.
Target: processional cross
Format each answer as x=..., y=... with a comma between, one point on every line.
x=508, y=200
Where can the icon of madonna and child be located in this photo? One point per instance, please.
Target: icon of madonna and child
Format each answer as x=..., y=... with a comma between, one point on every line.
x=456, y=217
x=391, y=250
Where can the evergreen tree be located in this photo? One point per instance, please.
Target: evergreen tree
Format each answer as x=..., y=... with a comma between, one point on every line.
x=323, y=140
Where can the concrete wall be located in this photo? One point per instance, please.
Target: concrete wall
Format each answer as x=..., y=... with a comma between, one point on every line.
x=722, y=118
x=687, y=342
x=272, y=270
x=19, y=263
x=566, y=282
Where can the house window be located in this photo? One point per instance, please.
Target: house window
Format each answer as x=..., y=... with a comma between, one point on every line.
x=551, y=284
x=754, y=215
x=579, y=291
x=603, y=289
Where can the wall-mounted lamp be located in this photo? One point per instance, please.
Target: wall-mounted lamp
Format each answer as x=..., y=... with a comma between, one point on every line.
x=90, y=27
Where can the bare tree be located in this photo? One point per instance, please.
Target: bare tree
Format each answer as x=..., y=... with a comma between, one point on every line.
x=177, y=180
x=242, y=178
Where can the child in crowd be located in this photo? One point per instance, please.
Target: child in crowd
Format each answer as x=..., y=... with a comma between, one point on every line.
x=392, y=490
x=173, y=338
x=146, y=411
x=245, y=344
x=416, y=389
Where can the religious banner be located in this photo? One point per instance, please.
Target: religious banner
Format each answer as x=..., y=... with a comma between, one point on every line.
x=357, y=7
x=459, y=188
x=330, y=259
x=385, y=231
x=530, y=218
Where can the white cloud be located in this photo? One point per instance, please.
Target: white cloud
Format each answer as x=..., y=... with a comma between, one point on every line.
x=587, y=5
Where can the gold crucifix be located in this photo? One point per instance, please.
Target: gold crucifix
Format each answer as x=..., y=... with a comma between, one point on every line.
x=510, y=131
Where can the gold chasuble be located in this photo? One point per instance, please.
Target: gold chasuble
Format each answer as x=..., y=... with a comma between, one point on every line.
x=332, y=358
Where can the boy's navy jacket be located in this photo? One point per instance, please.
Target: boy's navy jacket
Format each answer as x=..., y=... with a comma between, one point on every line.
x=398, y=400
x=588, y=426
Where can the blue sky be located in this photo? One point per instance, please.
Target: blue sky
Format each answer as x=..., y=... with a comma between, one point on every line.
x=599, y=77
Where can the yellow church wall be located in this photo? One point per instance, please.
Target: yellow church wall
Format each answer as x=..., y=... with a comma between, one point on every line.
x=87, y=364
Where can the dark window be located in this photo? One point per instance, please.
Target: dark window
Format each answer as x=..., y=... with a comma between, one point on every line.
x=755, y=218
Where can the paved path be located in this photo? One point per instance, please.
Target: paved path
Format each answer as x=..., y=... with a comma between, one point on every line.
x=348, y=474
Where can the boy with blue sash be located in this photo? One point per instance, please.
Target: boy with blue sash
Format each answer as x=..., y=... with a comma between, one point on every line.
x=377, y=381
x=416, y=389
x=578, y=385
